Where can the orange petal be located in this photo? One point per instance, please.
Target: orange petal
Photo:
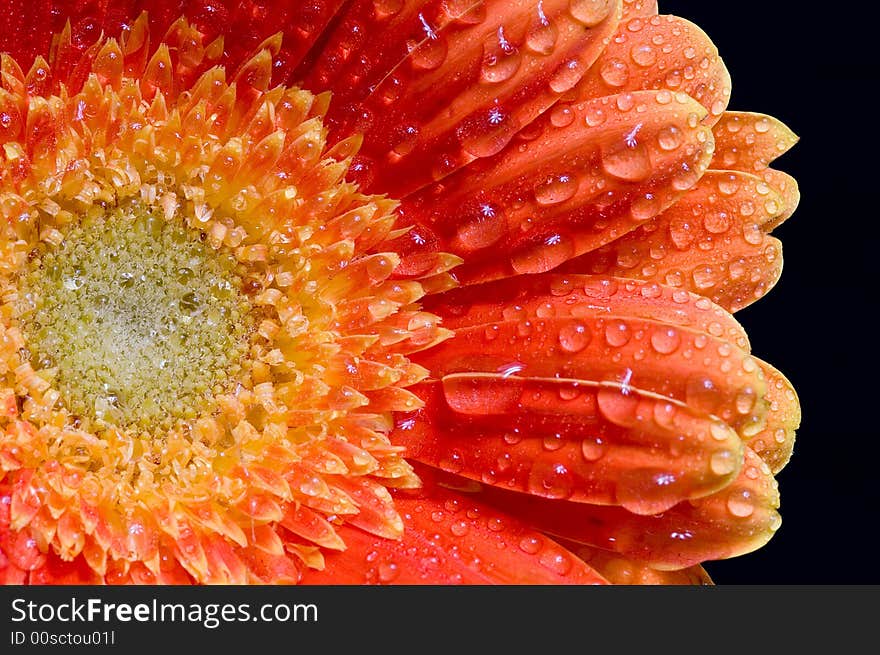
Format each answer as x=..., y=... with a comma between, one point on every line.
x=623, y=571
x=734, y=521
x=660, y=52
x=711, y=242
x=709, y=375
x=632, y=8
x=787, y=188
x=451, y=539
x=435, y=85
x=774, y=444
x=551, y=295
x=749, y=142
x=573, y=440
x=615, y=163
x=56, y=571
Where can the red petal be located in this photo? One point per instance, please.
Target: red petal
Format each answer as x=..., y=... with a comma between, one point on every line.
x=623, y=571
x=451, y=539
x=434, y=85
x=613, y=164
x=711, y=242
x=571, y=440
x=708, y=374
x=56, y=571
x=640, y=57
x=27, y=28
x=734, y=521
x=549, y=295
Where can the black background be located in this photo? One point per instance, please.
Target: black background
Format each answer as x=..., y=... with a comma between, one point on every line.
x=815, y=67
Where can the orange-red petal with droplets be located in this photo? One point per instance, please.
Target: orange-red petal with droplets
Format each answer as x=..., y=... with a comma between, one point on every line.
x=622, y=571
x=571, y=440
x=436, y=85
x=711, y=242
x=615, y=163
x=632, y=8
x=558, y=295
x=749, y=142
x=56, y=571
x=708, y=374
x=774, y=444
x=451, y=538
x=639, y=58
x=734, y=521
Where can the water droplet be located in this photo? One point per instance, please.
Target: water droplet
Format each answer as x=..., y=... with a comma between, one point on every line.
x=488, y=133
x=385, y=8
x=644, y=207
x=617, y=333
x=561, y=116
x=452, y=463
x=530, y=545
x=740, y=503
x=558, y=562
x=566, y=76
x=669, y=138
x=430, y=53
x=618, y=407
x=614, y=72
x=629, y=161
x=552, y=442
x=555, y=189
x=544, y=255
x=716, y=222
x=459, y=528
x=745, y=400
x=550, y=480
x=388, y=572
x=542, y=34
x=501, y=59
x=704, y=277
x=590, y=12
x=594, y=116
x=723, y=462
x=592, y=448
x=643, y=55
x=665, y=341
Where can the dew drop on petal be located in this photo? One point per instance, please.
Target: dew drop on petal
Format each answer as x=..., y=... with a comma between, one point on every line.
x=555, y=189
x=590, y=12
x=723, y=462
x=740, y=503
x=665, y=341
x=592, y=448
x=629, y=161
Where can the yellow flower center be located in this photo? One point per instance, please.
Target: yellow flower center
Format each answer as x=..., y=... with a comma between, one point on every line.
x=140, y=318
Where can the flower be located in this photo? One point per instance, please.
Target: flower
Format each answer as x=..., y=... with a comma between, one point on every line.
x=381, y=292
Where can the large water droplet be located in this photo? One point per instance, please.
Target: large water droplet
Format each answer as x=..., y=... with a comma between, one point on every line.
x=556, y=189
x=740, y=503
x=574, y=336
x=590, y=12
x=486, y=134
x=550, y=480
x=628, y=161
x=501, y=59
x=665, y=341
x=614, y=72
x=544, y=255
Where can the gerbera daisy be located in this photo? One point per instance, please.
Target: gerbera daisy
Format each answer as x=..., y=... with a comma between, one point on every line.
x=381, y=291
